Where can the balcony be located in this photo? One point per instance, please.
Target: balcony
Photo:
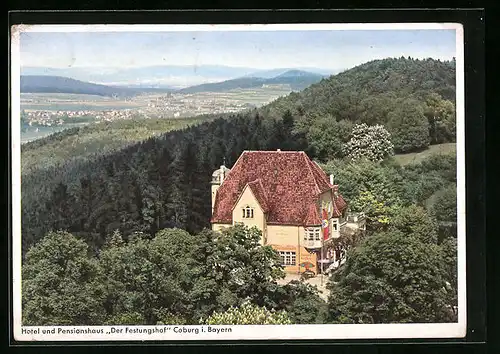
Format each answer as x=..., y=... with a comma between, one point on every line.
x=355, y=218
x=312, y=243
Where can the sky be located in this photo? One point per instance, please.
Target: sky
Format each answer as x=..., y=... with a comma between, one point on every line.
x=327, y=49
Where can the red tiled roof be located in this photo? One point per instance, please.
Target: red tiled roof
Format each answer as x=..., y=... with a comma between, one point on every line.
x=312, y=217
x=339, y=203
x=260, y=194
x=286, y=183
x=321, y=178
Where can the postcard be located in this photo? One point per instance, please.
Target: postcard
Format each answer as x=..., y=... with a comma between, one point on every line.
x=238, y=182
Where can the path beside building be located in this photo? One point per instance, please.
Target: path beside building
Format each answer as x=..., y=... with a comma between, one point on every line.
x=316, y=281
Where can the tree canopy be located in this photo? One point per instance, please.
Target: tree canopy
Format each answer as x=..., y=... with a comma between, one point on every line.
x=391, y=278
x=61, y=284
x=408, y=126
x=172, y=278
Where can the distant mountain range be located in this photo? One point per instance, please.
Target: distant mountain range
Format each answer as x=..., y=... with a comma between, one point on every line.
x=152, y=76
x=59, y=84
x=296, y=79
x=162, y=76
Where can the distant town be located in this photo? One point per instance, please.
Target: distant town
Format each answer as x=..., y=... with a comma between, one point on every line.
x=57, y=109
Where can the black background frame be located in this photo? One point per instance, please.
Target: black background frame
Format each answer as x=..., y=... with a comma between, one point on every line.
x=474, y=64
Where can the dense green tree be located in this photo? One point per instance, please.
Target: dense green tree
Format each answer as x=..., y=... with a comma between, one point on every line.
x=302, y=303
x=443, y=206
x=408, y=126
x=445, y=165
x=450, y=258
x=325, y=136
x=286, y=134
x=379, y=213
x=375, y=108
x=348, y=239
x=282, y=135
x=441, y=115
x=237, y=255
x=413, y=221
x=368, y=142
x=419, y=188
x=390, y=278
x=61, y=283
x=114, y=240
x=144, y=276
x=425, y=178
x=384, y=182
x=60, y=208
x=180, y=277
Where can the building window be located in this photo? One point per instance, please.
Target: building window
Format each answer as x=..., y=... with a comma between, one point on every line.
x=247, y=213
x=312, y=234
x=335, y=225
x=287, y=258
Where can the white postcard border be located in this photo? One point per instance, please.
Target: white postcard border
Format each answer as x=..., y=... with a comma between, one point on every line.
x=248, y=332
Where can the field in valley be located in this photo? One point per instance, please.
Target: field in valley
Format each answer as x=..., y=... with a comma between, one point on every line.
x=73, y=102
x=416, y=157
x=255, y=96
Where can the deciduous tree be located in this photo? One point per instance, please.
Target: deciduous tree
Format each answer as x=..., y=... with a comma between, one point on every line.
x=61, y=283
x=408, y=126
x=248, y=314
x=443, y=207
x=325, y=135
x=390, y=278
x=414, y=221
x=442, y=119
x=368, y=142
x=144, y=276
x=378, y=212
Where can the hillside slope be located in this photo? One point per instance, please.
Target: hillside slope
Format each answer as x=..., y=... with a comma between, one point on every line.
x=101, y=138
x=243, y=83
x=297, y=79
x=59, y=84
x=368, y=88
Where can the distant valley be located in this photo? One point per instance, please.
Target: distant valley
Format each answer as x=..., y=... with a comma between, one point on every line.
x=52, y=101
x=296, y=80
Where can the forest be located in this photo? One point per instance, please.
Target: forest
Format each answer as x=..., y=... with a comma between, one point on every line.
x=125, y=231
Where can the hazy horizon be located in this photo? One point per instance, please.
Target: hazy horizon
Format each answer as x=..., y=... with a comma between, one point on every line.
x=209, y=56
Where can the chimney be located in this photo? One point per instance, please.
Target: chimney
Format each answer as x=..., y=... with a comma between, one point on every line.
x=331, y=179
